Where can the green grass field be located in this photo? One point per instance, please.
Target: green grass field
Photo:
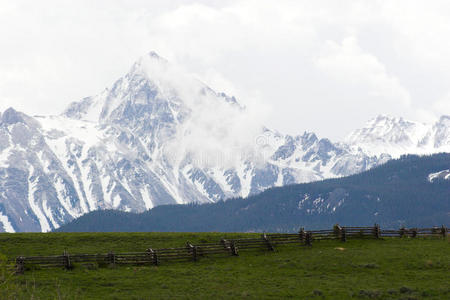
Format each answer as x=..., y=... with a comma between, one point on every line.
x=391, y=268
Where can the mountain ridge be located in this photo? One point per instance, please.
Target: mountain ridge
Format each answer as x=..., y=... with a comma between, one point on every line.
x=397, y=193
x=159, y=136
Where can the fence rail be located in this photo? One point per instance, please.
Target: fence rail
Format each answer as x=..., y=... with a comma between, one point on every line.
x=232, y=247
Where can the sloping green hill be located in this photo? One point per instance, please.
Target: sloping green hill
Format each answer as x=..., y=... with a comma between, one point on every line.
x=394, y=194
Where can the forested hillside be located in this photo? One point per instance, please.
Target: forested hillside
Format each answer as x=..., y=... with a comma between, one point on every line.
x=397, y=193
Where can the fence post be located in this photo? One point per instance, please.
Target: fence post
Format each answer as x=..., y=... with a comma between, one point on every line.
x=66, y=260
x=153, y=257
x=111, y=258
x=20, y=265
x=230, y=245
x=193, y=249
x=226, y=244
x=234, y=249
x=402, y=231
x=301, y=234
x=376, y=230
x=443, y=231
x=269, y=244
x=343, y=235
x=337, y=230
x=308, y=239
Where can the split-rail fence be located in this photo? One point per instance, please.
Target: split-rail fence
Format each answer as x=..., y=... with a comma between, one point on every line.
x=225, y=247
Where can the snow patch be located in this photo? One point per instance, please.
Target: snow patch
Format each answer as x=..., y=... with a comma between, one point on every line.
x=49, y=214
x=4, y=157
x=7, y=226
x=300, y=203
x=444, y=174
x=64, y=199
x=45, y=227
x=116, y=200
x=146, y=198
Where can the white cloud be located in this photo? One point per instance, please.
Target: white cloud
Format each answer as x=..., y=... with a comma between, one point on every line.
x=442, y=106
x=291, y=55
x=350, y=65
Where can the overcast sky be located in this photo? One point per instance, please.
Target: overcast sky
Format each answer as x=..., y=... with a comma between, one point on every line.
x=322, y=66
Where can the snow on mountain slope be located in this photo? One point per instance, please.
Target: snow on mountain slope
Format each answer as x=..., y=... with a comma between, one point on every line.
x=397, y=136
x=158, y=136
x=444, y=174
x=7, y=227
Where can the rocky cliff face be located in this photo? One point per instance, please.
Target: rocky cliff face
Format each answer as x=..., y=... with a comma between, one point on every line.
x=158, y=136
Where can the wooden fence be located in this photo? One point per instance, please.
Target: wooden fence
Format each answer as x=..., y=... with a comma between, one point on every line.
x=190, y=252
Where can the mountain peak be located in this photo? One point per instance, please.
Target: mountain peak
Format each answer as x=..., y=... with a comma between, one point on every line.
x=153, y=54
x=153, y=87
x=11, y=116
x=397, y=136
x=384, y=118
x=149, y=61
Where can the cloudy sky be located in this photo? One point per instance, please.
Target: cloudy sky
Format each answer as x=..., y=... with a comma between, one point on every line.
x=323, y=66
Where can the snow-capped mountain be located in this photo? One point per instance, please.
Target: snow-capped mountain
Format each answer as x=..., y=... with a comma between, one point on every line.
x=397, y=136
x=159, y=136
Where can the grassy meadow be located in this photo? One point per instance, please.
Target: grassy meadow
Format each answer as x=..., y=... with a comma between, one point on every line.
x=391, y=268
